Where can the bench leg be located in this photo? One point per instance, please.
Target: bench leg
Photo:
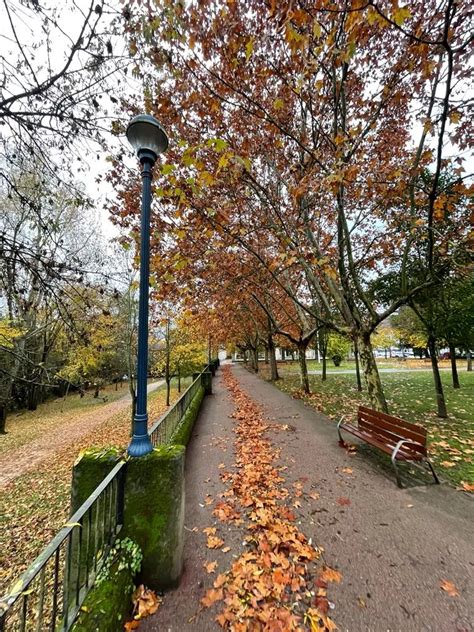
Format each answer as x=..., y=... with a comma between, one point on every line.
x=432, y=471
x=342, y=443
x=397, y=474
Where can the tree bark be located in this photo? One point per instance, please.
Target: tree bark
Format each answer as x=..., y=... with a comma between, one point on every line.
x=323, y=345
x=273, y=363
x=469, y=360
x=371, y=373
x=356, y=357
x=254, y=359
x=440, y=401
x=304, y=379
x=454, y=368
x=3, y=418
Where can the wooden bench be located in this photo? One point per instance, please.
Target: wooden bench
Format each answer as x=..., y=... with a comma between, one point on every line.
x=402, y=440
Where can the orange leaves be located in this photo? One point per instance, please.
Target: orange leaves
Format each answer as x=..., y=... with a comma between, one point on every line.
x=225, y=512
x=330, y=575
x=145, y=603
x=267, y=586
x=449, y=587
x=212, y=596
x=210, y=566
x=343, y=501
x=214, y=542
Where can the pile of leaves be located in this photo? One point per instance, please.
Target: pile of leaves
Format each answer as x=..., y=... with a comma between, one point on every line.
x=274, y=585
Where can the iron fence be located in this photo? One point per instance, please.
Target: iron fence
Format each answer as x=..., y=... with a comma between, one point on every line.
x=50, y=593
x=162, y=430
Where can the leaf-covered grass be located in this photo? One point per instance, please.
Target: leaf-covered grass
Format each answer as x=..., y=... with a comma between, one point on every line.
x=35, y=506
x=26, y=425
x=382, y=363
x=410, y=396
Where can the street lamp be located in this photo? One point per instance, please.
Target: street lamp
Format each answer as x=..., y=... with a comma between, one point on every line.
x=148, y=139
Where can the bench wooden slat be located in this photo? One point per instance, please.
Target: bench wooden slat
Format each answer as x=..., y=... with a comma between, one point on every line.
x=406, y=452
x=390, y=431
x=391, y=419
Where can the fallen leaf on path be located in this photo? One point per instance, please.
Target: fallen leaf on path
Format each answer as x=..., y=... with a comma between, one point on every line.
x=467, y=487
x=330, y=575
x=347, y=470
x=343, y=501
x=210, y=566
x=221, y=466
x=210, y=530
x=361, y=602
x=145, y=602
x=226, y=549
x=449, y=587
x=314, y=495
x=131, y=625
x=212, y=596
x=214, y=542
x=447, y=464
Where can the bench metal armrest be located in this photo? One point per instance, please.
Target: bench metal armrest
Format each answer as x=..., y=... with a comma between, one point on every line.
x=341, y=440
x=397, y=448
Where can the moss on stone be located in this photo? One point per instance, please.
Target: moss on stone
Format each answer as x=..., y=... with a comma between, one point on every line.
x=90, y=469
x=109, y=602
x=182, y=433
x=154, y=513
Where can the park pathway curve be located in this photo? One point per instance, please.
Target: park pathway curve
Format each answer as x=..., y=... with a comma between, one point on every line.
x=395, y=549
x=18, y=461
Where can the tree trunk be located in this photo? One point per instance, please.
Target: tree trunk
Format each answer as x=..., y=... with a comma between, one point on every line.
x=33, y=397
x=469, y=360
x=454, y=368
x=356, y=357
x=323, y=345
x=3, y=418
x=304, y=380
x=371, y=373
x=254, y=359
x=440, y=401
x=168, y=390
x=179, y=381
x=96, y=391
x=273, y=363
x=267, y=359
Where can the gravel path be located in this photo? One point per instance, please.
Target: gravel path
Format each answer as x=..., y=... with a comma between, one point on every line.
x=393, y=547
x=15, y=463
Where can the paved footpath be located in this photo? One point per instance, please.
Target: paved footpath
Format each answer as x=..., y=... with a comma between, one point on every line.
x=393, y=547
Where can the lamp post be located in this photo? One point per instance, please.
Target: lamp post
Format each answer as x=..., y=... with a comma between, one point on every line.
x=148, y=139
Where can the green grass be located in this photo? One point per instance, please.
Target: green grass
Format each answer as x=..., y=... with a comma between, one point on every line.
x=410, y=396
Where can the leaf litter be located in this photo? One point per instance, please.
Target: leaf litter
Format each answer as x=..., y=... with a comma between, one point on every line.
x=275, y=584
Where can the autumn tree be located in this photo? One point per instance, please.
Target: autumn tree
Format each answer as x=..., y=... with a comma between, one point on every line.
x=297, y=137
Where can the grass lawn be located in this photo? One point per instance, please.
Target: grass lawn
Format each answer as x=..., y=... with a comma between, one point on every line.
x=26, y=425
x=349, y=365
x=35, y=506
x=410, y=396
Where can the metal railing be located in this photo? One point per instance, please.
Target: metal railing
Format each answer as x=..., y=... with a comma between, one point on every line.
x=50, y=593
x=162, y=430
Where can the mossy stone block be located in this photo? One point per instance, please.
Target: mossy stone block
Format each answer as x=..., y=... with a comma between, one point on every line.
x=89, y=470
x=183, y=432
x=108, y=603
x=154, y=514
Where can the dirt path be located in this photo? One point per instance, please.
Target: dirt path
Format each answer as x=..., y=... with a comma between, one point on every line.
x=394, y=548
x=15, y=463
